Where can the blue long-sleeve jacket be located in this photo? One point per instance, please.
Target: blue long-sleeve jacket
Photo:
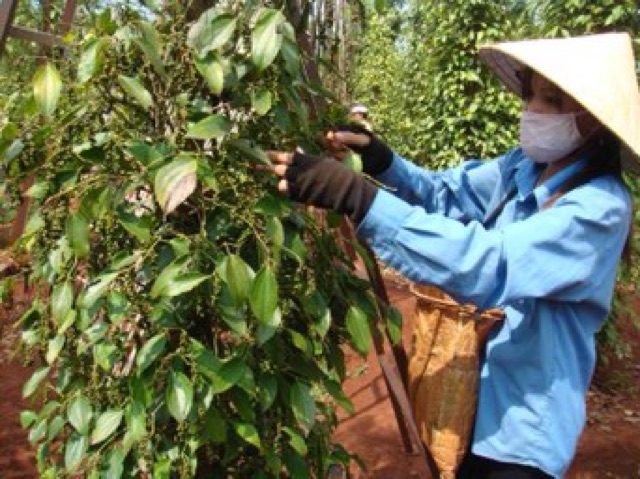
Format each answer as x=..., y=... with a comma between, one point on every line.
x=551, y=268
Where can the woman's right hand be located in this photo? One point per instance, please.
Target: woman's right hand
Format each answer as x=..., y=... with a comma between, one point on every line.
x=376, y=155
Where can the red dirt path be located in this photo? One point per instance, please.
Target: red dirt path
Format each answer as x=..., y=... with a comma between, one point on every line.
x=609, y=447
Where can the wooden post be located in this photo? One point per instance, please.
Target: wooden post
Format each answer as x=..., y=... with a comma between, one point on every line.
x=7, y=12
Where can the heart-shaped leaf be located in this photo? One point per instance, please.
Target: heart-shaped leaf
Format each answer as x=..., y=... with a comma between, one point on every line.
x=47, y=86
x=150, y=352
x=179, y=395
x=264, y=295
x=134, y=89
x=53, y=348
x=358, y=327
x=303, y=404
x=265, y=38
x=34, y=381
x=213, y=126
x=238, y=279
x=213, y=72
x=149, y=43
x=106, y=425
x=79, y=414
x=77, y=230
x=74, y=451
x=261, y=101
x=61, y=301
x=248, y=432
x=211, y=31
x=95, y=290
x=91, y=60
x=175, y=182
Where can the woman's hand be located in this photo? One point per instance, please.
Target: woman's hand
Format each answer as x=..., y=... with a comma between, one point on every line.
x=321, y=182
x=375, y=154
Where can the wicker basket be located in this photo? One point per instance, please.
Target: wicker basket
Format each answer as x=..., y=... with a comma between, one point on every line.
x=443, y=372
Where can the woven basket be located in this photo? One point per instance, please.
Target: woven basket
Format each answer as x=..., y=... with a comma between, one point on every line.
x=443, y=372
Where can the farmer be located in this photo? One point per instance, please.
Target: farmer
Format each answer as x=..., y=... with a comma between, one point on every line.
x=359, y=113
x=538, y=231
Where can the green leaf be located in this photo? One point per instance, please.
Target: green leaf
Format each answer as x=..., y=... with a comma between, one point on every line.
x=74, y=451
x=95, y=290
x=56, y=425
x=179, y=395
x=116, y=463
x=222, y=377
x=138, y=226
x=264, y=295
x=38, y=190
x=296, y=464
x=34, y=381
x=212, y=71
x=394, y=325
x=175, y=182
x=61, y=301
x=268, y=389
x=211, y=31
x=261, y=101
x=106, y=425
x=105, y=355
x=296, y=441
x=149, y=43
x=238, y=279
x=183, y=283
x=38, y=431
x=134, y=89
x=142, y=152
x=53, y=348
x=47, y=86
x=265, y=39
x=266, y=331
x=275, y=232
x=150, y=352
x=248, y=149
x=136, y=420
x=291, y=55
x=79, y=413
x=338, y=394
x=358, y=327
x=27, y=418
x=77, y=231
x=303, y=405
x=167, y=277
x=215, y=426
x=213, y=126
x=248, y=432
x=91, y=60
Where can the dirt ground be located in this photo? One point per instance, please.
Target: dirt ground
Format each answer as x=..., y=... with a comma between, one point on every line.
x=609, y=447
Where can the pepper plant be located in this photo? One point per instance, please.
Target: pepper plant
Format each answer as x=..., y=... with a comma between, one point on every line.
x=188, y=320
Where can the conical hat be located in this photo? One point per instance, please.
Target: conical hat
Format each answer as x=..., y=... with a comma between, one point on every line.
x=598, y=71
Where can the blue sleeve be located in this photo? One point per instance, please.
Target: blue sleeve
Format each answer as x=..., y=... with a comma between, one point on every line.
x=463, y=193
x=567, y=252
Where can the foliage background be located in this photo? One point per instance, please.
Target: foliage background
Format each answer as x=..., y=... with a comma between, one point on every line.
x=185, y=321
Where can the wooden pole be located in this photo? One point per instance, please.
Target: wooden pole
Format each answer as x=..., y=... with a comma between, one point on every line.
x=7, y=12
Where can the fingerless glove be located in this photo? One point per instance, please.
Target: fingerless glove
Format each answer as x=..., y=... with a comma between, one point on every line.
x=328, y=184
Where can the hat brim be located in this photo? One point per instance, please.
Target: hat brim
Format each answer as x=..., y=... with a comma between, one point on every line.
x=508, y=70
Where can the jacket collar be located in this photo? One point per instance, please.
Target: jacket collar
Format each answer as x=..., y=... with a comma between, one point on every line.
x=529, y=172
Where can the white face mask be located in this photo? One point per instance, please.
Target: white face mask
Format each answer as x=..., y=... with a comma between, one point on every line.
x=547, y=137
